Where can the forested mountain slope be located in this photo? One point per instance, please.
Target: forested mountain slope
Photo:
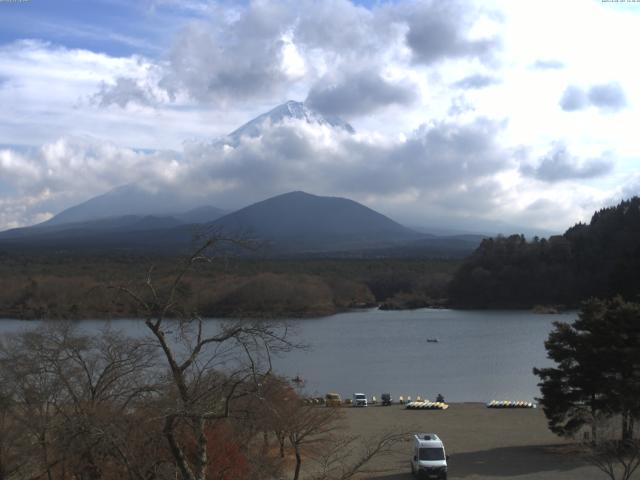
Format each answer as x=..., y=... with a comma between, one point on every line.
x=600, y=259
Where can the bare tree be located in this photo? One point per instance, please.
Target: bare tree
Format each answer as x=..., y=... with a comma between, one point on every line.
x=29, y=404
x=617, y=458
x=311, y=427
x=209, y=368
x=315, y=432
x=74, y=395
x=12, y=439
x=348, y=456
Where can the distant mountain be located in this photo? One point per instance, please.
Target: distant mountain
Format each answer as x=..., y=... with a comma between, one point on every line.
x=103, y=227
x=292, y=224
x=113, y=227
x=478, y=227
x=203, y=214
x=299, y=221
x=123, y=201
x=133, y=199
x=288, y=110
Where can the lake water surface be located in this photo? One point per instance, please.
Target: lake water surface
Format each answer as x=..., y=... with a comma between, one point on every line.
x=479, y=356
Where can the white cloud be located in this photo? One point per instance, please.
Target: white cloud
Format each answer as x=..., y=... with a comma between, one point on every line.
x=359, y=93
x=51, y=92
x=70, y=170
x=559, y=165
x=608, y=97
x=448, y=165
x=440, y=30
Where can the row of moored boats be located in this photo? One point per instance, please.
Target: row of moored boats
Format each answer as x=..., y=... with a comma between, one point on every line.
x=510, y=404
x=426, y=405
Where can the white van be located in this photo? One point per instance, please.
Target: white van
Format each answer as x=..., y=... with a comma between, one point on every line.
x=359, y=400
x=429, y=459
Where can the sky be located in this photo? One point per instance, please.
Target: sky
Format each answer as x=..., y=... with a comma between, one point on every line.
x=464, y=112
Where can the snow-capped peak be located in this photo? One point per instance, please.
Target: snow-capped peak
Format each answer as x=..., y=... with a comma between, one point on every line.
x=290, y=109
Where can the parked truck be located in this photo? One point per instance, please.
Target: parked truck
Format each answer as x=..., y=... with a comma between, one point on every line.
x=332, y=399
x=429, y=459
x=359, y=400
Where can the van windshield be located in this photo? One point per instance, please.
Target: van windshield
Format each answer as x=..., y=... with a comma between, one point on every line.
x=432, y=453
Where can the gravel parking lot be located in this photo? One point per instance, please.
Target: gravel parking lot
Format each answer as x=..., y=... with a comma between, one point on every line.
x=482, y=443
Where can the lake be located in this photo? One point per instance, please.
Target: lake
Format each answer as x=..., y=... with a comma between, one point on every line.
x=479, y=356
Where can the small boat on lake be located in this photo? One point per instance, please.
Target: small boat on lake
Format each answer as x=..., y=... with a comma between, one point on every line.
x=432, y=340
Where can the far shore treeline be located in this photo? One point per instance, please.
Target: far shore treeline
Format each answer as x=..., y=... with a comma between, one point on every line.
x=599, y=259
x=74, y=287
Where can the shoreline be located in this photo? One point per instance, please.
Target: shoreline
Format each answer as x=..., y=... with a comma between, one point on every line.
x=294, y=315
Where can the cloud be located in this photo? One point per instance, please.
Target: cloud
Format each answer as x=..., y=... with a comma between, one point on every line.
x=574, y=98
x=559, y=165
x=440, y=30
x=123, y=92
x=70, y=170
x=55, y=92
x=290, y=155
x=296, y=155
x=476, y=81
x=216, y=62
x=608, y=97
x=459, y=106
x=359, y=93
x=259, y=50
x=215, y=65
x=16, y=212
x=341, y=30
x=264, y=49
x=629, y=187
x=396, y=176
x=548, y=64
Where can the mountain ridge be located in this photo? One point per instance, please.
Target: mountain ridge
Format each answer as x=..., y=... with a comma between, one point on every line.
x=129, y=199
x=314, y=222
x=291, y=224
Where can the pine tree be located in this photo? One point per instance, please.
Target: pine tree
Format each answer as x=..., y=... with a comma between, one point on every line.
x=597, y=370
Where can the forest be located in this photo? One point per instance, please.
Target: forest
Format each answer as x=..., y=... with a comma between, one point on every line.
x=598, y=259
x=59, y=287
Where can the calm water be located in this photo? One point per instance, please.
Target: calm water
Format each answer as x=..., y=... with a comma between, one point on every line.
x=480, y=356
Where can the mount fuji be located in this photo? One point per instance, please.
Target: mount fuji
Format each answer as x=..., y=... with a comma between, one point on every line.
x=281, y=113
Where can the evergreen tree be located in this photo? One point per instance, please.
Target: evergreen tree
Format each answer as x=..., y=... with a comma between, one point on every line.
x=597, y=370
x=599, y=259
